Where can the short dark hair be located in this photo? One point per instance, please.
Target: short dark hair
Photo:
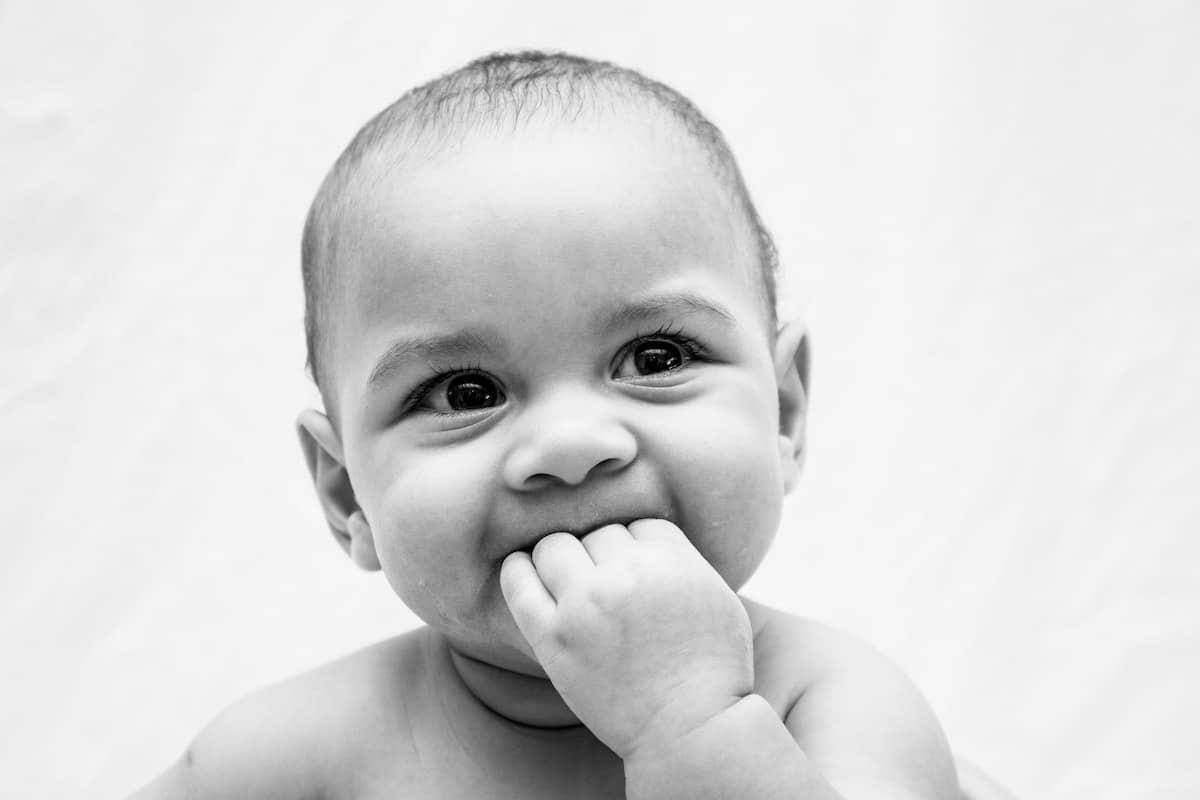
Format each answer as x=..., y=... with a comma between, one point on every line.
x=501, y=88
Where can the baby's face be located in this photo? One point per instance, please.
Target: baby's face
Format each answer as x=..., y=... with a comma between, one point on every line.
x=551, y=331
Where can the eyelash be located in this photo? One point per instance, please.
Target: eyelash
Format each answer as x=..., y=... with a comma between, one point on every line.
x=694, y=350
x=672, y=332
x=421, y=391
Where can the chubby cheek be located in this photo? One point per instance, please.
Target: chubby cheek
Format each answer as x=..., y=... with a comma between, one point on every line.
x=428, y=522
x=727, y=478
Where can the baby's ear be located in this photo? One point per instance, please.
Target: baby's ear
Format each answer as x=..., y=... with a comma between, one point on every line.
x=791, y=375
x=323, y=454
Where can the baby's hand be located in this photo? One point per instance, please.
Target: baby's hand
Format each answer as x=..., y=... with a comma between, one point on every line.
x=640, y=635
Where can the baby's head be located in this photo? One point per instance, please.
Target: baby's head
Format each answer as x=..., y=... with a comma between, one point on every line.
x=539, y=299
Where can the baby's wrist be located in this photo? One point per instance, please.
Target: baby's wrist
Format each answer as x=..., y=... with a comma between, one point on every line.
x=673, y=727
x=743, y=751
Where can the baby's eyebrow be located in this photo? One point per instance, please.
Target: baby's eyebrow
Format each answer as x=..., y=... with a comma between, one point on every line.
x=654, y=306
x=468, y=342
x=476, y=342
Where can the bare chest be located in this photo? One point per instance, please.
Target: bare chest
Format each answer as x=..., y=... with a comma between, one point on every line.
x=518, y=769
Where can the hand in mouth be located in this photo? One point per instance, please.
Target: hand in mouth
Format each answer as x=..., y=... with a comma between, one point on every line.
x=580, y=531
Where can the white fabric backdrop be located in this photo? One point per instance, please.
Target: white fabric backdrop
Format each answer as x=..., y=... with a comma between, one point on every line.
x=988, y=212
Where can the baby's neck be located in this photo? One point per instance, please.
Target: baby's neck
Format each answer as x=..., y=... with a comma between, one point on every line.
x=524, y=699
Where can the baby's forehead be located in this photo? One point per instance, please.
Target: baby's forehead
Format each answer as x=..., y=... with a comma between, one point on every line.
x=627, y=188
x=622, y=171
x=453, y=214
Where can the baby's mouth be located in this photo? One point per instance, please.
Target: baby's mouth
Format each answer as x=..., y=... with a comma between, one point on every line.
x=581, y=531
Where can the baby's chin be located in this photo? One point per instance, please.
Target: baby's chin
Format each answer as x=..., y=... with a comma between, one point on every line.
x=503, y=647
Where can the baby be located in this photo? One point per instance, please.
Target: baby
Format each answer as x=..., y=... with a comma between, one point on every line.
x=561, y=417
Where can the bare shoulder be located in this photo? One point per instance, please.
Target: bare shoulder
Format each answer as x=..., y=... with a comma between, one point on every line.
x=857, y=716
x=300, y=737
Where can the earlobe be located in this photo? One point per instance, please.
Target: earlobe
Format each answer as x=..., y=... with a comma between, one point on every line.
x=362, y=542
x=791, y=375
x=326, y=463
x=791, y=460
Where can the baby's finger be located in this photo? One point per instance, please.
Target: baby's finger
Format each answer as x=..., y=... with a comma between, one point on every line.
x=607, y=543
x=561, y=562
x=528, y=601
x=657, y=530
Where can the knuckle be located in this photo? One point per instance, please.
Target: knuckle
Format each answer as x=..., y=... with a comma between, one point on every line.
x=559, y=638
x=612, y=592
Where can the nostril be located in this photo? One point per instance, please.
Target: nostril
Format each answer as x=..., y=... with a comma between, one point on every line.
x=568, y=477
x=566, y=452
x=610, y=465
x=541, y=481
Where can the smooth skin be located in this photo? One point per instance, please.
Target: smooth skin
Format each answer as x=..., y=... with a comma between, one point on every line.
x=562, y=426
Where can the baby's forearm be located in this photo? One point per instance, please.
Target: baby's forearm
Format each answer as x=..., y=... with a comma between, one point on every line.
x=744, y=752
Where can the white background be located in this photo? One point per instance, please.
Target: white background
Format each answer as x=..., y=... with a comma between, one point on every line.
x=988, y=212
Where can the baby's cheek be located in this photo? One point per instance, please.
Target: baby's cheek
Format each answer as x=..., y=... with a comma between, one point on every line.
x=728, y=486
x=431, y=522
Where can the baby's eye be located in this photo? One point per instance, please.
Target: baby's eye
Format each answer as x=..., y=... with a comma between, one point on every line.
x=651, y=356
x=465, y=391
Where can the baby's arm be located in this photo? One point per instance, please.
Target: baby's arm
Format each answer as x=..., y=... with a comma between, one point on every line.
x=861, y=736
x=654, y=653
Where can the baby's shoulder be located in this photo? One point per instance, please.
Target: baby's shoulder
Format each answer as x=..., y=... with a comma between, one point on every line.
x=856, y=715
x=793, y=653
x=302, y=736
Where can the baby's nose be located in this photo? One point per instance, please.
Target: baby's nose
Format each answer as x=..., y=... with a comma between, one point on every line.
x=565, y=440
